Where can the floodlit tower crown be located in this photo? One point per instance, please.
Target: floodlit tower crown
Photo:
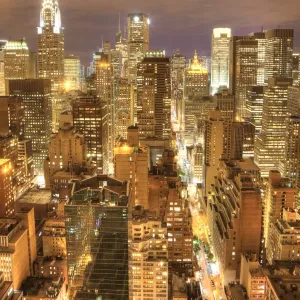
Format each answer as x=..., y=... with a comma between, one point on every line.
x=50, y=16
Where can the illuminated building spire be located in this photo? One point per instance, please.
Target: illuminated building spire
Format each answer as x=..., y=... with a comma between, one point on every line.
x=50, y=16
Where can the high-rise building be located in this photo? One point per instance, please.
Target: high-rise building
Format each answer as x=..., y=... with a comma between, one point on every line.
x=51, y=45
x=12, y=116
x=245, y=71
x=234, y=217
x=148, y=256
x=293, y=103
x=66, y=150
x=97, y=238
x=16, y=60
x=195, y=80
x=154, y=95
x=36, y=95
x=269, y=145
x=6, y=191
x=279, y=52
x=296, y=69
x=178, y=65
x=290, y=165
x=131, y=164
x=254, y=106
x=123, y=107
x=180, y=236
x=261, y=56
x=72, y=73
x=138, y=41
x=2, y=78
x=88, y=116
x=220, y=58
x=14, y=255
x=279, y=194
x=225, y=103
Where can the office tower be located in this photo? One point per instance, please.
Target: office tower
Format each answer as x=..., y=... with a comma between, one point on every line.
x=6, y=192
x=51, y=45
x=14, y=256
x=254, y=106
x=54, y=238
x=154, y=95
x=215, y=141
x=104, y=89
x=12, y=116
x=131, y=164
x=36, y=95
x=25, y=154
x=290, y=165
x=87, y=117
x=245, y=71
x=178, y=65
x=261, y=56
x=138, y=41
x=293, y=102
x=234, y=217
x=148, y=256
x=116, y=62
x=279, y=51
x=281, y=231
x=220, y=58
x=296, y=68
x=124, y=118
x=2, y=78
x=16, y=60
x=97, y=238
x=180, y=235
x=26, y=215
x=72, y=73
x=279, y=194
x=32, y=65
x=66, y=150
x=122, y=47
x=269, y=145
x=195, y=80
x=225, y=103
x=21, y=176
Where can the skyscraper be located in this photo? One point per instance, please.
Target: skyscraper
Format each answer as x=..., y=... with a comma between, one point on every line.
x=279, y=51
x=88, y=117
x=72, y=73
x=138, y=41
x=195, y=80
x=2, y=80
x=97, y=238
x=244, y=70
x=16, y=60
x=36, y=95
x=6, y=191
x=220, y=58
x=269, y=145
x=51, y=44
x=154, y=95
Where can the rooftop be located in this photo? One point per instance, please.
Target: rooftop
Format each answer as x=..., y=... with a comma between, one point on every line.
x=42, y=287
x=3, y=161
x=36, y=196
x=286, y=287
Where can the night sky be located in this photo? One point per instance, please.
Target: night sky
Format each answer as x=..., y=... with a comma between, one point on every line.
x=186, y=24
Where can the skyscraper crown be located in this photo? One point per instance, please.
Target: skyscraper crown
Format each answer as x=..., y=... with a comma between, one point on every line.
x=50, y=16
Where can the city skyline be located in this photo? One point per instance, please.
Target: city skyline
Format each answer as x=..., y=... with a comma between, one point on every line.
x=166, y=30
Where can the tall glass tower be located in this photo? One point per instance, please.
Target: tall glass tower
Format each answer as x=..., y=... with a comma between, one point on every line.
x=51, y=44
x=220, y=58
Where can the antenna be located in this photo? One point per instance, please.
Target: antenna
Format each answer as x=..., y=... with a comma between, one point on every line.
x=119, y=22
x=102, y=42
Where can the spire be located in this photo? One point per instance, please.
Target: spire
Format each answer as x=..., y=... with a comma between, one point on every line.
x=195, y=60
x=119, y=22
